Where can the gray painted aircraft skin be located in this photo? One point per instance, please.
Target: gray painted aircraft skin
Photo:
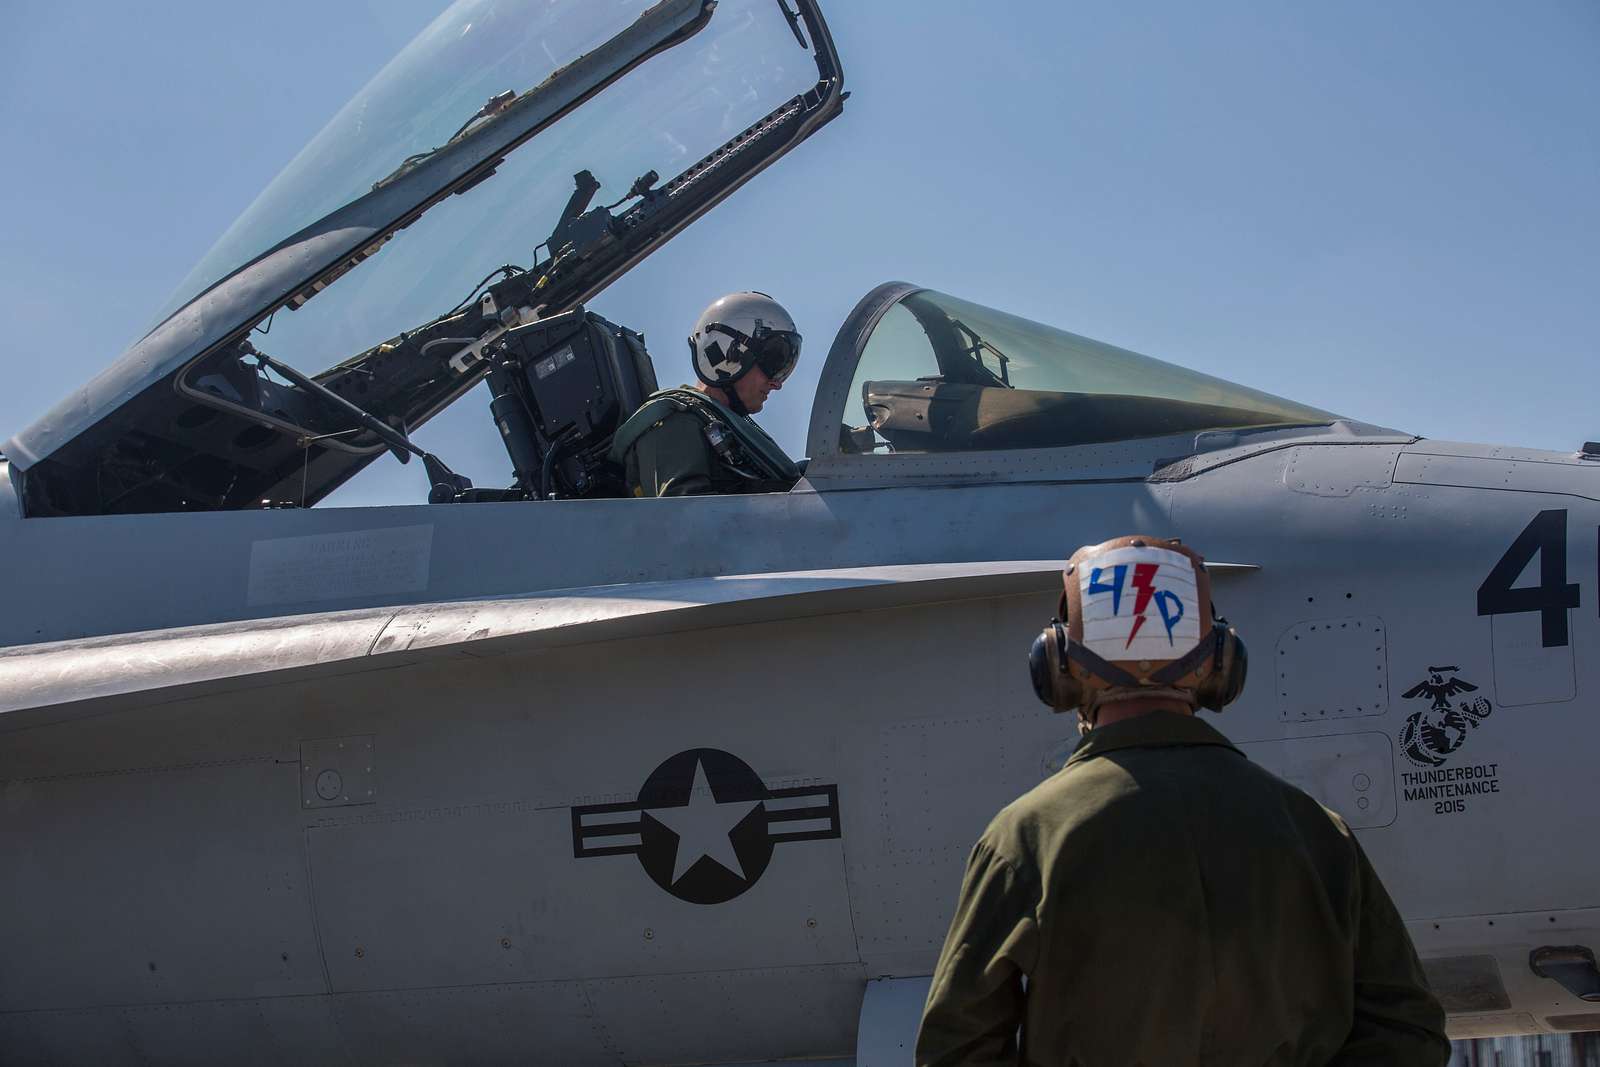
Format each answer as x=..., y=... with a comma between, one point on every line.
x=693, y=780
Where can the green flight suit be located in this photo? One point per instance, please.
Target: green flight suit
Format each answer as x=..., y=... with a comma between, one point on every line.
x=669, y=454
x=1171, y=904
x=674, y=459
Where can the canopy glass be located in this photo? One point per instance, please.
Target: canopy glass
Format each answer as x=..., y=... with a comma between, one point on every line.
x=940, y=374
x=663, y=116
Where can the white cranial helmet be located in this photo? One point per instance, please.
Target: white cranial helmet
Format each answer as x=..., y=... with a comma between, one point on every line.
x=740, y=331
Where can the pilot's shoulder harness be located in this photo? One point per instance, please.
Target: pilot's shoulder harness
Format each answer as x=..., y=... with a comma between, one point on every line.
x=758, y=455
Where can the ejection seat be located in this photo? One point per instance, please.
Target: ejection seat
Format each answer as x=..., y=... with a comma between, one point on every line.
x=561, y=388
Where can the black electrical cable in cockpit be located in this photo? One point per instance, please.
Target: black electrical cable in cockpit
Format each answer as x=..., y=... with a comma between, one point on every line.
x=643, y=186
x=508, y=270
x=547, y=469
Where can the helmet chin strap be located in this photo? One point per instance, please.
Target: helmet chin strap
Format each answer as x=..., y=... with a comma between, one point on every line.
x=735, y=403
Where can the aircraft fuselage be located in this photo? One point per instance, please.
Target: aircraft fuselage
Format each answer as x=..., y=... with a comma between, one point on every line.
x=441, y=810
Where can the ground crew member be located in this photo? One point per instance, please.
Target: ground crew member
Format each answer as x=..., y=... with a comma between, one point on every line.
x=1167, y=901
x=702, y=440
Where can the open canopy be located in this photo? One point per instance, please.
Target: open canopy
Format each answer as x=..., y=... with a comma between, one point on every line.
x=659, y=109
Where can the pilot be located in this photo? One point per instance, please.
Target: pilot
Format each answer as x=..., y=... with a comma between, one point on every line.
x=702, y=439
x=1161, y=899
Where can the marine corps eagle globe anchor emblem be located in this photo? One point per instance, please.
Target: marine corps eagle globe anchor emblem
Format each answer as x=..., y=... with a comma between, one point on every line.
x=704, y=825
x=1435, y=732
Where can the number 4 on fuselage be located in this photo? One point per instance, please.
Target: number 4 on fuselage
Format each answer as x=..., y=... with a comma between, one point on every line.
x=1545, y=537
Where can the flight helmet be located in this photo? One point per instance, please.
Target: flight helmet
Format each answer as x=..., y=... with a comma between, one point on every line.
x=739, y=332
x=1136, y=618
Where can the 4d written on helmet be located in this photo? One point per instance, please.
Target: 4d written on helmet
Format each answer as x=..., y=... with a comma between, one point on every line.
x=1137, y=619
x=739, y=332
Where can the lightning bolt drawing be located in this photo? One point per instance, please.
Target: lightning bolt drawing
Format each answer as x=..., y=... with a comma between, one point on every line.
x=1144, y=576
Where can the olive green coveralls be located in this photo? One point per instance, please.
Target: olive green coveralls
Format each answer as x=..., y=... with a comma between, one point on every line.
x=673, y=456
x=1170, y=904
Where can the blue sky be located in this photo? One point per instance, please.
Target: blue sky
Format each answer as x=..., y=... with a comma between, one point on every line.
x=1390, y=211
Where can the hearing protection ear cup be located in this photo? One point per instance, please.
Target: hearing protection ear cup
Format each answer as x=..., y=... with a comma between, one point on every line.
x=1039, y=668
x=1053, y=683
x=1226, y=682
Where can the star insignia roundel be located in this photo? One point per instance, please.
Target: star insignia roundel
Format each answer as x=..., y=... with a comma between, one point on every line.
x=704, y=825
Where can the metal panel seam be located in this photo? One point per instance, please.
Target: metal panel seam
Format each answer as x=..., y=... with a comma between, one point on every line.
x=311, y=902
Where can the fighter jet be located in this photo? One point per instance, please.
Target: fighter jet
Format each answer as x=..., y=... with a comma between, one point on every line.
x=540, y=773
